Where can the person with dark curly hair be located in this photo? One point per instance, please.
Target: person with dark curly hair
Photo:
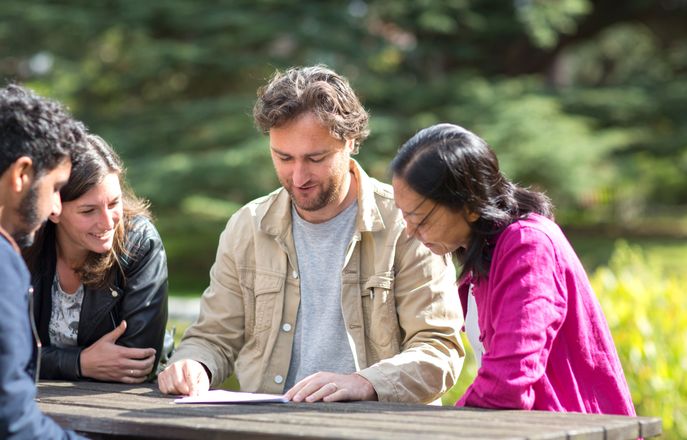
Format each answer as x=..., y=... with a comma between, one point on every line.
x=538, y=332
x=316, y=290
x=38, y=141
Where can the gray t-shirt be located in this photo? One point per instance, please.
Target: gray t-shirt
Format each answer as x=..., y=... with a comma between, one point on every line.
x=320, y=339
x=65, y=315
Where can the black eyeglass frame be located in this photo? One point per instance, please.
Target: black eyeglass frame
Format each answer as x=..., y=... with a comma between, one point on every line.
x=421, y=223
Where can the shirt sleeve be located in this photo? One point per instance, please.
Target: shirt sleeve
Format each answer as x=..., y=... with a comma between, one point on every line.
x=523, y=307
x=19, y=414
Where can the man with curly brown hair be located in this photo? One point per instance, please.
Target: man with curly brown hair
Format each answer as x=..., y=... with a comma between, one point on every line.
x=316, y=290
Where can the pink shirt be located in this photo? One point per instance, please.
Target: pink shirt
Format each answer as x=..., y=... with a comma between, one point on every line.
x=547, y=344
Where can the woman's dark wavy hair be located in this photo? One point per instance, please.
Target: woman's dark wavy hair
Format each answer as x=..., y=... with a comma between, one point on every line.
x=457, y=169
x=95, y=162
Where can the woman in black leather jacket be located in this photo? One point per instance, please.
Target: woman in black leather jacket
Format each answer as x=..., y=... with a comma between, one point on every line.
x=100, y=277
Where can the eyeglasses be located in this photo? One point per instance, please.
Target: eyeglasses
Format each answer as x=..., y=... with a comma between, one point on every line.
x=416, y=226
x=36, y=338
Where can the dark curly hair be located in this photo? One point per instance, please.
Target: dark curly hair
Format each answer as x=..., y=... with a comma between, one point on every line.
x=315, y=89
x=38, y=128
x=457, y=169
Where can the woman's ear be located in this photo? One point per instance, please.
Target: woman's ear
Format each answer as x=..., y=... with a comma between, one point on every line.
x=471, y=216
x=54, y=218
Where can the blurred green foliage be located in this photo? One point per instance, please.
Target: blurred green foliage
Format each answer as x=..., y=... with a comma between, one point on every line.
x=580, y=98
x=646, y=312
x=585, y=99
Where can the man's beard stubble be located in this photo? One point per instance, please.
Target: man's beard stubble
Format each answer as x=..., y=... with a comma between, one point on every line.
x=324, y=198
x=29, y=217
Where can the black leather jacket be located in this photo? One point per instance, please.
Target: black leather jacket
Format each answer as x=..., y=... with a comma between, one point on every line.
x=139, y=297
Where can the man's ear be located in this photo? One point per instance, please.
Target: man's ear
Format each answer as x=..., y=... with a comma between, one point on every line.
x=349, y=145
x=22, y=174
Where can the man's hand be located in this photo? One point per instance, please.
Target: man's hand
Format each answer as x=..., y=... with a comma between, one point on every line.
x=332, y=387
x=186, y=377
x=107, y=361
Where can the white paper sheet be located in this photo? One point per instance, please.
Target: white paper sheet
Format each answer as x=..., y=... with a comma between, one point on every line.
x=224, y=396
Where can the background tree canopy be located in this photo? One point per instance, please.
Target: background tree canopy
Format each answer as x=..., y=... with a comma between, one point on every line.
x=584, y=99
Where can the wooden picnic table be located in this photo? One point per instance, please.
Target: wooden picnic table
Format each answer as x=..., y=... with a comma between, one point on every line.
x=106, y=411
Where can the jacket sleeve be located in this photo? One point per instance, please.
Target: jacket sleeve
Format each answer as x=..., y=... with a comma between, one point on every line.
x=218, y=334
x=60, y=363
x=144, y=302
x=430, y=318
x=527, y=305
x=19, y=415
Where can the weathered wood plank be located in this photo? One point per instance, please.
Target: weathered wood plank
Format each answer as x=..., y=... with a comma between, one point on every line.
x=288, y=424
x=650, y=427
x=142, y=412
x=434, y=422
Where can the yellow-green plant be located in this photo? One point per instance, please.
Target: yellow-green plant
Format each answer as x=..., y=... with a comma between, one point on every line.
x=467, y=376
x=646, y=312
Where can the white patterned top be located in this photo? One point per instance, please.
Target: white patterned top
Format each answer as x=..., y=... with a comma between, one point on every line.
x=65, y=315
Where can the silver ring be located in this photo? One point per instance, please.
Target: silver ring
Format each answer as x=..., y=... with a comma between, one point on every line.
x=131, y=372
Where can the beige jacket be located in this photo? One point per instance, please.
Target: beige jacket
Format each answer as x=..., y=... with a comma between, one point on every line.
x=399, y=301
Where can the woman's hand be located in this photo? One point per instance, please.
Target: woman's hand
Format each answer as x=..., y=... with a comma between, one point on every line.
x=107, y=361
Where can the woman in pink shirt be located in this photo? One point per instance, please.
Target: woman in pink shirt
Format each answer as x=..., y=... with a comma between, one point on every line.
x=538, y=331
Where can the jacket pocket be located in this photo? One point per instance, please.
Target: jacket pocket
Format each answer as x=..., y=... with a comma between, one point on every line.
x=260, y=293
x=267, y=288
x=379, y=309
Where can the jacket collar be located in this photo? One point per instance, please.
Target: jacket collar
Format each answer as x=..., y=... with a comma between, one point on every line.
x=275, y=218
x=9, y=238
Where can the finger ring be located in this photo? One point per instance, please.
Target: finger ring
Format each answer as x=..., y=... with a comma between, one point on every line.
x=131, y=372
